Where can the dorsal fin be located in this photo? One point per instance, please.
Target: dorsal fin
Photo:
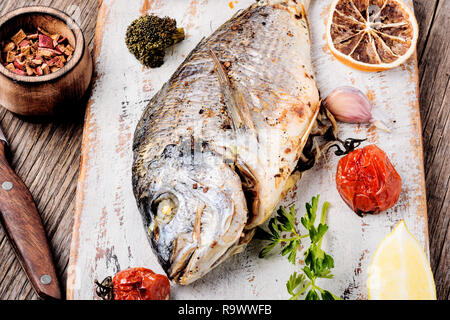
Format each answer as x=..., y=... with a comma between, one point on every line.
x=238, y=109
x=299, y=4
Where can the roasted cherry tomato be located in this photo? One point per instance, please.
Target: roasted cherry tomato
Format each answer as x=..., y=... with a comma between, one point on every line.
x=135, y=284
x=367, y=181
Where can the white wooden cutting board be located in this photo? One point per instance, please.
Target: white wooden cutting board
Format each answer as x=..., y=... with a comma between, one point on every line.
x=108, y=235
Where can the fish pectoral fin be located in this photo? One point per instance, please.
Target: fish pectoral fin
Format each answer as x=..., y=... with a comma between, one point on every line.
x=234, y=99
x=291, y=182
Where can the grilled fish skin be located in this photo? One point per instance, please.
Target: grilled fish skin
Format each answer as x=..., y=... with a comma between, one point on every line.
x=216, y=148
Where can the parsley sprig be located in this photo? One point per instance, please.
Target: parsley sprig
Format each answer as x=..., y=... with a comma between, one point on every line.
x=283, y=222
x=318, y=263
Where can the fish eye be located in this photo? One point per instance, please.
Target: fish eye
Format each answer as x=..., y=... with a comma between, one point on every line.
x=165, y=207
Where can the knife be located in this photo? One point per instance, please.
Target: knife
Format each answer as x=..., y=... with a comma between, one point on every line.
x=23, y=226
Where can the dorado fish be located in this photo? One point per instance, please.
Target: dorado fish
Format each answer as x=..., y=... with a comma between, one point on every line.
x=218, y=146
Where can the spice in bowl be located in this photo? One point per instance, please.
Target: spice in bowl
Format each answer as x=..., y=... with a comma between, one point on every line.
x=35, y=54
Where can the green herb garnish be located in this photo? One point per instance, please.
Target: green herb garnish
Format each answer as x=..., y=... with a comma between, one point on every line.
x=283, y=222
x=318, y=263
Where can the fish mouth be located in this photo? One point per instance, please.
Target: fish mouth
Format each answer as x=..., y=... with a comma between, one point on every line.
x=190, y=262
x=189, y=253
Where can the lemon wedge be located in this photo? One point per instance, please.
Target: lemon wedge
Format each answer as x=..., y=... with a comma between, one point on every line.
x=400, y=269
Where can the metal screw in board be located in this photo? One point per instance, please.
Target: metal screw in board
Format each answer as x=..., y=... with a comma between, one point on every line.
x=7, y=185
x=46, y=279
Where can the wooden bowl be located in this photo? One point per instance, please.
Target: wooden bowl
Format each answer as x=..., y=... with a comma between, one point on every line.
x=52, y=93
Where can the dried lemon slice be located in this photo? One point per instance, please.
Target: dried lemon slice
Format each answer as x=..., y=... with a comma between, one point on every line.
x=400, y=269
x=372, y=35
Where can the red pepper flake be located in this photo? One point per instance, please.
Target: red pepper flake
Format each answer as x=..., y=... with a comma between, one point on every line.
x=34, y=36
x=9, y=47
x=10, y=67
x=57, y=61
x=26, y=51
x=60, y=48
x=38, y=53
x=44, y=32
x=45, y=42
x=18, y=71
x=19, y=65
x=18, y=37
x=24, y=43
x=39, y=71
x=29, y=70
x=55, y=37
x=45, y=68
x=68, y=50
x=37, y=61
x=11, y=56
x=47, y=53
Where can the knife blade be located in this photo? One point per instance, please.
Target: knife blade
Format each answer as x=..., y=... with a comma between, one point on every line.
x=23, y=226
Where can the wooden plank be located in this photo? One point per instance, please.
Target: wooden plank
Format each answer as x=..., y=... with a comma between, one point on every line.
x=435, y=111
x=108, y=235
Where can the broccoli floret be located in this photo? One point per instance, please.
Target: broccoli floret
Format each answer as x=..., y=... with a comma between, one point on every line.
x=149, y=36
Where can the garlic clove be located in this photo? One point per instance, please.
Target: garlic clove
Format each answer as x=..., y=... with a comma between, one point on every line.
x=380, y=125
x=348, y=104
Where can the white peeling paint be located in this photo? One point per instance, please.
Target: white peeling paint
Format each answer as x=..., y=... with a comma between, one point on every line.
x=108, y=233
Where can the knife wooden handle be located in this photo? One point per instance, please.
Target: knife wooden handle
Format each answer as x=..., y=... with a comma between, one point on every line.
x=23, y=226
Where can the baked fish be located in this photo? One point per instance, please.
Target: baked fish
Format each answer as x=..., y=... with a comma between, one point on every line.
x=217, y=147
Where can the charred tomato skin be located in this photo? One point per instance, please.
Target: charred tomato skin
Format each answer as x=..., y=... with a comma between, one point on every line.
x=140, y=284
x=367, y=181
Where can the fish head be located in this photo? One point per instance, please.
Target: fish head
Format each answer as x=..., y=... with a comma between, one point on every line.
x=194, y=210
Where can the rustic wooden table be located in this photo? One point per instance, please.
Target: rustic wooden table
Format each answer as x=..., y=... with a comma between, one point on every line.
x=47, y=155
